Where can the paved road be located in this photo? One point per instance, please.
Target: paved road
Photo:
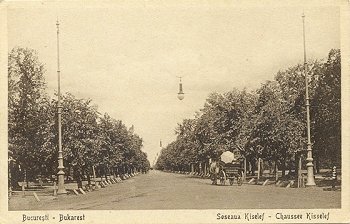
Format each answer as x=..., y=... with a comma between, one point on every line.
x=160, y=190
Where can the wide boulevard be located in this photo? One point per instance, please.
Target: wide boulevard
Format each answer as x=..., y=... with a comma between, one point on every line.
x=161, y=190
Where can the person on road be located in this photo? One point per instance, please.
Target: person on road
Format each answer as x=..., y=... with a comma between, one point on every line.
x=214, y=170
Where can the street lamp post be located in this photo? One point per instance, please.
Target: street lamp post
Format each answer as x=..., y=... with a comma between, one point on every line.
x=180, y=94
x=61, y=189
x=310, y=167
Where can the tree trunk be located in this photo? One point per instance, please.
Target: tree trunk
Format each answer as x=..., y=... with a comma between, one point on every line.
x=317, y=164
x=77, y=174
x=88, y=176
x=276, y=170
x=283, y=167
x=259, y=169
x=68, y=173
x=270, y=167
x=105, y=172
x=94, y=174
x=245, y=169
x=15, y=177
x=82, y=173
x=253, y=166
x=25, y=178
x=296, y=162
x=79, y=182
x=290, y=170
x=300, y=176
x=262, y=167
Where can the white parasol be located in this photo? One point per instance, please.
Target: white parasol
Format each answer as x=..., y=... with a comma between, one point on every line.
x=227, y=157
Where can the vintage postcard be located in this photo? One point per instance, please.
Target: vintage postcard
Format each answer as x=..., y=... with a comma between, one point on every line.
x=174, y=111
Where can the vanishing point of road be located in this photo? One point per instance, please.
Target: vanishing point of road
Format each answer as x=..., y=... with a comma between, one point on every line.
x=161, y=190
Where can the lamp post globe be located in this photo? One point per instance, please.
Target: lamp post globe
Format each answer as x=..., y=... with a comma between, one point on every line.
x=180, y=96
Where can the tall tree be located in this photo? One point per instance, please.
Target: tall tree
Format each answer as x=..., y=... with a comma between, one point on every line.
x=26, y=91
x=327, y=113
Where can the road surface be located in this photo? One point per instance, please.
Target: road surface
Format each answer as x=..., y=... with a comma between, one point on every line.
x=160, y=190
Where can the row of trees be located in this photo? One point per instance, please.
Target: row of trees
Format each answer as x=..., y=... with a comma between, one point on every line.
x=267, y=123
x=89, y=138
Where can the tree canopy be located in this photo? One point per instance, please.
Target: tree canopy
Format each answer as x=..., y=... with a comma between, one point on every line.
x=267, y=123
x=89, y=139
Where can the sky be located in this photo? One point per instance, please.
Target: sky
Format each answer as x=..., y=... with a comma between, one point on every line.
x=127, y=58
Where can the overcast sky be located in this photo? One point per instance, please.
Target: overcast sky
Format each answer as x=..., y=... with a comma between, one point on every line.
x=127, y=59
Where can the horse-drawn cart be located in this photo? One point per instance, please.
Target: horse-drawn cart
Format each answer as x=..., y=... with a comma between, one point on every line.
x=228, y=168
x=230, y=172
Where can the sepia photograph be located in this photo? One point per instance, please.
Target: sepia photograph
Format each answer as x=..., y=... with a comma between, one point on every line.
x=174, y=112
